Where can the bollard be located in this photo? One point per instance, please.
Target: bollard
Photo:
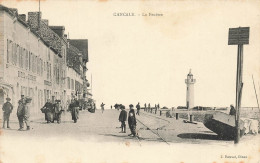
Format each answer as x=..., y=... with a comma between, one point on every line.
x=177, y=116
x=191, y=118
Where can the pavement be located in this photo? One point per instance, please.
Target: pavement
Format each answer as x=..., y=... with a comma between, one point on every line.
x=98, y=134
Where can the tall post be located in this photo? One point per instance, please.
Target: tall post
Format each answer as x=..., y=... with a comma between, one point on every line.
x=239, y=86
x=255, y=92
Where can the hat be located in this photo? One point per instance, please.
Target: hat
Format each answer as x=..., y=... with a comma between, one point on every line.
x=8, y=99
x=131, y=105
x=122, y=107
x=57, y=100
x=28, y=99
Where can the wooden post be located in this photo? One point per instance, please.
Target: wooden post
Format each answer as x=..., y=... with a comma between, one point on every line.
x=239, y=86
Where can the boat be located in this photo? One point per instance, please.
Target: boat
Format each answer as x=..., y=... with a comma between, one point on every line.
x=223, y=124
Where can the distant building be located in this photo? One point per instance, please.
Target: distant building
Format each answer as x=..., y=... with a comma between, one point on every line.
x=190, y=90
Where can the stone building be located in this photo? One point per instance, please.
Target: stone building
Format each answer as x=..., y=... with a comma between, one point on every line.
x=33, y=60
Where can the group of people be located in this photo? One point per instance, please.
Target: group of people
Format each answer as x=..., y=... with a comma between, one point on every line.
x=53, y=111
x=23, y=112
x=150, y=109
x=131, y=120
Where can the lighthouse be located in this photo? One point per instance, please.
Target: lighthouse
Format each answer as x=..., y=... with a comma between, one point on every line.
x=190, y=90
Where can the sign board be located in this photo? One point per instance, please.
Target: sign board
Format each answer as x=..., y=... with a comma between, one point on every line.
x=238, y=36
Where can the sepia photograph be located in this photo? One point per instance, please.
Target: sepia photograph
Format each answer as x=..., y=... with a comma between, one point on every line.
x=120, y=81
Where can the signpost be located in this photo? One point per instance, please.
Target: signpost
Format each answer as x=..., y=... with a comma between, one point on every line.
x=238, y=36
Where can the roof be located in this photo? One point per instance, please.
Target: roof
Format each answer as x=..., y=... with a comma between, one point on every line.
x=14, y=12
x=81, y=45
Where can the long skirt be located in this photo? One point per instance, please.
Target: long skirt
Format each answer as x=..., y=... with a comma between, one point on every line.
x=49, y=116
x=74, y=113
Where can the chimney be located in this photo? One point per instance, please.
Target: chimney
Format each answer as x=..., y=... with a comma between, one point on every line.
x=22, y=17
x=58, y=30
x=33, y=19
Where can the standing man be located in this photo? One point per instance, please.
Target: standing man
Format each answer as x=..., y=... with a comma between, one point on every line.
x=102, y=107
x=57, y=111
x=74, y=108
x=145, y=107
x=138, y=109
x=132, y=121
x=20, y=112
x=7, y=109
x=149, y=107
x=27, y=108
x=122, y=119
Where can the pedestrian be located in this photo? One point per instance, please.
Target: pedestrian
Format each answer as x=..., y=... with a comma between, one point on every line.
x=74, y=109
x=47, y=109
x=102, y=107
x=57, y=111
x=149, y=107
x=111, y=106
x=7, y=110
x=138, y=109
x=232, y=110
x=20, y=112
x=27, y=108
x=122, y=118
x=145, y=107
x=132, y=121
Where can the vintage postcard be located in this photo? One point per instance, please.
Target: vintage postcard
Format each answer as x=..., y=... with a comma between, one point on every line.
x=143, y=81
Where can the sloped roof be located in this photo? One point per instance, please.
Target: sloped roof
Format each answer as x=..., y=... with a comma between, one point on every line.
x=81, y=45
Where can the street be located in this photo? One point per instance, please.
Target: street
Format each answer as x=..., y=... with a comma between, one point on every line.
x=94, y=133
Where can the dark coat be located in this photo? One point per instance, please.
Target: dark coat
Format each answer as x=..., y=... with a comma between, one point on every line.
x=131, y=119
x=122, y=116
x=74, y=108
x=232, y=111
x=7, y=108
x=20, y=109
x=138, y=107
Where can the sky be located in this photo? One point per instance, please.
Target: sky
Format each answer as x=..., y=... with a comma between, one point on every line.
x=147, y=58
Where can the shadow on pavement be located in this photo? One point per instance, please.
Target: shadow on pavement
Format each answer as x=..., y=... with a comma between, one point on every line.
x=201, y=136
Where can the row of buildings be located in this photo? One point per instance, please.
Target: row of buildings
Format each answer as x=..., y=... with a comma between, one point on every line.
x=40, y=61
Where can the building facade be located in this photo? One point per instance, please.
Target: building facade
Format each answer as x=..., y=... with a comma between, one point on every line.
x=33, y=60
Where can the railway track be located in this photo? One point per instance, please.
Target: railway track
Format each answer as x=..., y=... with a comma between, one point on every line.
x=154, y=131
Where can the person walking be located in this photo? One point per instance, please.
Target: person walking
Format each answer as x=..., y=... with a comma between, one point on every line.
x=74, y=109
x=48, y=111
x=57, y=111
x=138, y=108
x=149, y=107
x=122, y=118
x=27, y=108
x=132, y=121
x=145, y=107
x=7, y=110
x=20, y=112
x=102, y=107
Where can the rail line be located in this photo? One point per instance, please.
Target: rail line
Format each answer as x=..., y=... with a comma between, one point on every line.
x=156, y=133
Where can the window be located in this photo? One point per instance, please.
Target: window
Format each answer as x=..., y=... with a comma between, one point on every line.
x=8, y=51
x=14, y=54
x=68, y=82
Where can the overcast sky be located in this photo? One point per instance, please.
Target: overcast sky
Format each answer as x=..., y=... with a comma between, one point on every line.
x=146, y=59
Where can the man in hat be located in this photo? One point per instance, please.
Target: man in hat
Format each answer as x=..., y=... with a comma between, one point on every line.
x=232, y=110
x=7, y=109
x=132, y=121
x=138, y=109
x=102, y=107
x=27, y=108
x=20, y=112
x=74, y=109
x=57, y=111
x=122, y=119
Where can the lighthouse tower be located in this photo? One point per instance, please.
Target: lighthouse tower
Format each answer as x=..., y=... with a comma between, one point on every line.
x=190, y=90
